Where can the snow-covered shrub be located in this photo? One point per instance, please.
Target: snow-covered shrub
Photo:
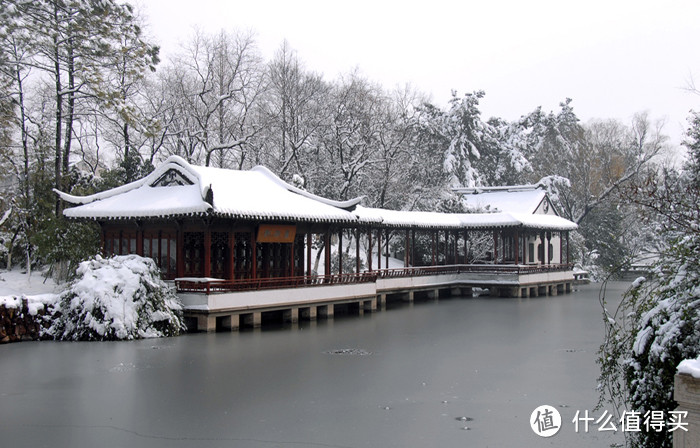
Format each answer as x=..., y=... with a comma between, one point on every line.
x=122, y=297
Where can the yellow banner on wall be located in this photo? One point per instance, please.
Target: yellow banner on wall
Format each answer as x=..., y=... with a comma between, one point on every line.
x=269, y=233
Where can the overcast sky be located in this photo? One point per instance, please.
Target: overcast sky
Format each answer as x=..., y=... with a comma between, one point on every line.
x=613, y=58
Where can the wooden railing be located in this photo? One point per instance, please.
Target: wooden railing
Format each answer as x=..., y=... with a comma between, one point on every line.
x=213, y=286
x=468, y=268
x=209, y=286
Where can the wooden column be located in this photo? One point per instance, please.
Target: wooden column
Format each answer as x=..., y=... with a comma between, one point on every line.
x=503, y=245
x=466, y=246
x=516, y=248
x=547, y=254
x=379, y=248
x=413, y=247
x=568, y=248
x=291, y=260
x=254, y=254
x=369, y=249
x=340, y=251
x=327, y=252
x=139, y=240
x=406, y=252
x=434, y=248
x=456, y=235
x=495, y=247
x=447, y=245
x=309, y=243
x=357, y=251
x=207, y=253
x=386, y=259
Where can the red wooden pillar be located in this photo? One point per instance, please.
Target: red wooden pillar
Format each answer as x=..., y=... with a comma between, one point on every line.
x=503, y=245
x=386, y=259
x=207, y=253
x=231, y=274
x=413, y=247
x=456, y=235
x=327, y=252
x=547, y=254
x=407, y=247
x=495, y=247
x=568, y=249
x=340, y=251
x=291, y=260
x=369, y=250
x=447, y=245
x=516, y=249
x=466, y=246
x=254, y=261
x=357, y=251
x=139, y=241
x=308, y=253
x=434, y=260
x=379, y=248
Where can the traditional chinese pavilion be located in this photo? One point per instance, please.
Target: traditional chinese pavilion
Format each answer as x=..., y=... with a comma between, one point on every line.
x=218, y=232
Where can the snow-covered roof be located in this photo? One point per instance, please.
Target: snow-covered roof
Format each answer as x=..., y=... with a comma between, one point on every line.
x=177, y=188
x=407, y=219
x=194, y=190
x=515, y=201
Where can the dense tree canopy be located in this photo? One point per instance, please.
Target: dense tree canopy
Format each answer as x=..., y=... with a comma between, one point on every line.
x=87, y=105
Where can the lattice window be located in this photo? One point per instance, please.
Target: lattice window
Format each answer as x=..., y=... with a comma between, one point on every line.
x=193, y=252
x=219, y=254
x=243, y=256
x=119, y=243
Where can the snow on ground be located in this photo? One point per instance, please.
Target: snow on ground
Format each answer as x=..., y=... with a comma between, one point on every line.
x=35, y=288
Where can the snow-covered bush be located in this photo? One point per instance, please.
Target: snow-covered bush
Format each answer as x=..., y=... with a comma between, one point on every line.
x=122, y=297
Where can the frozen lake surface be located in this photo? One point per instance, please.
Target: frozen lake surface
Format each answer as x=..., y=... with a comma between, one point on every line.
x=413, y=376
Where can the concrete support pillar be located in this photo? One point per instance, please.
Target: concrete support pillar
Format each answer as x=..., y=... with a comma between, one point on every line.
x=206, y=322
x=253, y=320
x=514, y=292
x=524, y=292
x=434, y=294
x=534, y=291
x=381, y=301
x=553, y=290
x=326, y=311
x=371, y=305
x=230, y=322
x=567, y=287
x=291, y=315
x=308, y=313
x=409, y=297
